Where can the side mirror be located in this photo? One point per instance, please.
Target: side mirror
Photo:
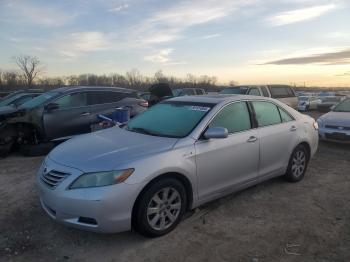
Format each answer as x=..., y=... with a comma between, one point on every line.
x=51, y=106
x=216, y=132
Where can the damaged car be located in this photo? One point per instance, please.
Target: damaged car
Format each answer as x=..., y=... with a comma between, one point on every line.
x=59, y=114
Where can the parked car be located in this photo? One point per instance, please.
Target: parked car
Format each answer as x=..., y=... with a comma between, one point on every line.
x=307, y=103
x=64, y=112
x=178, y=155
x=327, y=102
x=188, y=91
x=234, y=90
x=282, y=93
x=8, y=95
x=10, y=103
x=335, y=125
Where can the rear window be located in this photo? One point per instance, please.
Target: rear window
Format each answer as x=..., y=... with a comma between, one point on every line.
x=281, y=91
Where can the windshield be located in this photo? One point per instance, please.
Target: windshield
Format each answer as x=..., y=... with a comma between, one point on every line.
x=9, y=100
x=39, y=99
x=236, y=91
x=170, y=119
x=343, y=106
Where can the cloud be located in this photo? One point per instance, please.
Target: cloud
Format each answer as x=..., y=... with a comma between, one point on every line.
x=161, y=56
x=299, y=15
x=346, y=74
x=118, y=8
x=330, y=58
x=170, y=23
x=24, y=12
x=78, y=43
x=210, y=36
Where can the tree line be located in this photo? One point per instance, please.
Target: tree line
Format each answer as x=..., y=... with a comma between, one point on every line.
x=29, y=74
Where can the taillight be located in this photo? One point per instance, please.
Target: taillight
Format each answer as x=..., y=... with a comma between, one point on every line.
x=143, y=103
x=315, y=124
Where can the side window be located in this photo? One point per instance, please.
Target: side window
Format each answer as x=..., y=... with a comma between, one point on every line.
x=105, y=97
x=234, y=117
x=72, y=100
x=254, y=92
x=285, y=116
x=266, y=113
x=264, y=91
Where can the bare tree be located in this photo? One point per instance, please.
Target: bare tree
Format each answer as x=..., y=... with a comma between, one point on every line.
x=30, y=67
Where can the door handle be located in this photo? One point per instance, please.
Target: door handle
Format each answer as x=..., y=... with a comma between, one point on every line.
x=252, y=139
x=85, y=114
x=293, y=128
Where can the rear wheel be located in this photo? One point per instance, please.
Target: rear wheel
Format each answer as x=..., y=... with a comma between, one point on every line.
x=297, y=164
x=160, y=208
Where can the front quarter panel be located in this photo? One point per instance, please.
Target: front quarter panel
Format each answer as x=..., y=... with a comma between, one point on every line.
x=180, y=159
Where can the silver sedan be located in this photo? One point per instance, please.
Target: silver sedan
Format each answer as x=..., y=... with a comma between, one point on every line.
x=176, y=156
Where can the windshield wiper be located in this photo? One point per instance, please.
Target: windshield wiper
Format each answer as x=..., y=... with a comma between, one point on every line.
x=143, y=131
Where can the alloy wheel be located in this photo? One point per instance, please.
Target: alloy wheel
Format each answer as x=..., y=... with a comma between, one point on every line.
x=298, y=163
x=164, y=208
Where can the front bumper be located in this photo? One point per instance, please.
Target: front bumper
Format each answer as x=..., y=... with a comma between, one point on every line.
x=102, y=209
x=335, y=135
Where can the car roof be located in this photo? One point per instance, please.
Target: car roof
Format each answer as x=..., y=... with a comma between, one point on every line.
x=65, y=89
x=216, y=99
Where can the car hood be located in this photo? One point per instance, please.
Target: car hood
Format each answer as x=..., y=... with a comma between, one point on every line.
x=336, y=118
x=107, y=149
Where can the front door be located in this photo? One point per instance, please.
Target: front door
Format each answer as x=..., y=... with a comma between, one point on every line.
x=72, y=117
x=223, y=164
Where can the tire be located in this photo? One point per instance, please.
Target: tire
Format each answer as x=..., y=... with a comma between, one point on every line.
x=297, y=164
x=5, y=149
x=36, y=150
x=157, y=215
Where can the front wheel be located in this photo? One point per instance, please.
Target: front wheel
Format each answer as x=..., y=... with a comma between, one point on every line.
x=297, y=164
x=160, y=208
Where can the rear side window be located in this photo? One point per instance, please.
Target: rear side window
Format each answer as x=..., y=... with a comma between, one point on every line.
x=285, y=116
x=234, y=117
x=266, y=113
x=264, y=91
x=254, y=92
x=72, y=100
x=105, y=97
x=281, y=91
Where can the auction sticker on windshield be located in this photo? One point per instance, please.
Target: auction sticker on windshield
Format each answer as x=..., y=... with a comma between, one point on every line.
x=200, y=108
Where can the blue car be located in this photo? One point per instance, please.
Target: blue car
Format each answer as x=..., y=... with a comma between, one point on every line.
x=335, y=125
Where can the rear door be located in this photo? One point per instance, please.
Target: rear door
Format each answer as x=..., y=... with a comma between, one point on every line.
x=223, y=164
x=104, y=102
x=72, y=117
x=277, y=132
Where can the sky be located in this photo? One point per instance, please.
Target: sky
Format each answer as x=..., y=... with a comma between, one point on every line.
x=246, y=41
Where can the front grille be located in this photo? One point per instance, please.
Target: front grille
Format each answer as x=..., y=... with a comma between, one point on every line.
x=53, y=178
x=338, y=127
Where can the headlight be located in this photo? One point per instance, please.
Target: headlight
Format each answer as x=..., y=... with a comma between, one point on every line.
x=101, y=178
x=320, y=122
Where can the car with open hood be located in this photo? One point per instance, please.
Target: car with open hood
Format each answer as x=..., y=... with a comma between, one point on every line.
x=62, y=113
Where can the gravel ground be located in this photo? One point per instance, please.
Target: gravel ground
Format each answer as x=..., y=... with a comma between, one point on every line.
x=273, y=221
